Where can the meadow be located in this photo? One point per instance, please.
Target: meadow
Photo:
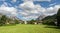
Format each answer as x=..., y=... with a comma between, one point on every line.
x=28, y=28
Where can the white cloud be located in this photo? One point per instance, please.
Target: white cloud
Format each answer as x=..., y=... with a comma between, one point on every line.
x=27, y=5
x=52, y=4
x=30, y=17
x=4, y=9
x=52, y=10
x=23, y=13
x=31, y=7
x=31, y=10
x=10, y=10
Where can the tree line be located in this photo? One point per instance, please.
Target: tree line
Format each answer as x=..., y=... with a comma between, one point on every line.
x=4, y=20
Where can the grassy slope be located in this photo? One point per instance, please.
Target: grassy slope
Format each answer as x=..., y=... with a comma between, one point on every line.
x=21, y=28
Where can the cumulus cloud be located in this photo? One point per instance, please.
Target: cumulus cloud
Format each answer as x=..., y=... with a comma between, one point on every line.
x=23, y=13
x=4, y=9
x=30, y=17
x=31, y=7
x=52, y=4
x=52, y=10
x=7, y=10
x=30, y=10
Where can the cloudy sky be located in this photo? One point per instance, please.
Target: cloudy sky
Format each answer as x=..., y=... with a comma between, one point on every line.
x=29, y=9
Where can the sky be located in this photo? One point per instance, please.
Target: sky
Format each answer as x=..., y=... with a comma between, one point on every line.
x=29, y=9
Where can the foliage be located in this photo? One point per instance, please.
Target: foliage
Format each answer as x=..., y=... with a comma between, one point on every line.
x=5, y=20
x=32, y=21
x=58, y=17
x=16, y=21
x=50, y=20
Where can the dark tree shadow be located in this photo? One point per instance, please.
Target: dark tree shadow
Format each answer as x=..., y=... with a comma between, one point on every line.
x=54, y=27
x=8, y=25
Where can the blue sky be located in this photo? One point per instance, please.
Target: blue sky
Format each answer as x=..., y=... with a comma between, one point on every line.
x=29, y=9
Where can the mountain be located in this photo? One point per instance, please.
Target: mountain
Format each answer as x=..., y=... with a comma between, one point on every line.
x=50, y=20
x=4, y=19
x=41, y=17
x=50, y=17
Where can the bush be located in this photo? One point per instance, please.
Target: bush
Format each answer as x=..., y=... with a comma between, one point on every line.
x=3, y=20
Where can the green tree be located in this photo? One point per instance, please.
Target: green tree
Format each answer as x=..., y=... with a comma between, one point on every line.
x=3, y=20
x=16, y=21
x=49, y=20
x=58, y=17
x=32, y=21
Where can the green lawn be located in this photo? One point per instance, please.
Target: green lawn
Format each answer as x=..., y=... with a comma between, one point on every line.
x=21, y=28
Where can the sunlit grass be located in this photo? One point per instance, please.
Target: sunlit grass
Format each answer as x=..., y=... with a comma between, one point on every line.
x=22, y=28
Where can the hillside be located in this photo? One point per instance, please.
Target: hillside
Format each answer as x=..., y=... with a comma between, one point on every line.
x=4, y=19
x=50, y=20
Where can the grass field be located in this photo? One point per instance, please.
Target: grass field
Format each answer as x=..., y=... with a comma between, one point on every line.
x=21, y=28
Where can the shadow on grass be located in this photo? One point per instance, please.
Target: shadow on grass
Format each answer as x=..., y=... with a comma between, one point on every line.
x=54, y=27
x=8, y=25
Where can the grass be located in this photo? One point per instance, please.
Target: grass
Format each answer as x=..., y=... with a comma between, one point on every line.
x=22, y=28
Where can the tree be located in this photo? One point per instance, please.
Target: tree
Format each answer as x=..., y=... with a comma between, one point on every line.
x=32, y=21
x=49, y=20
x=58, y=17
x=16, y=21
x=3, y=20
